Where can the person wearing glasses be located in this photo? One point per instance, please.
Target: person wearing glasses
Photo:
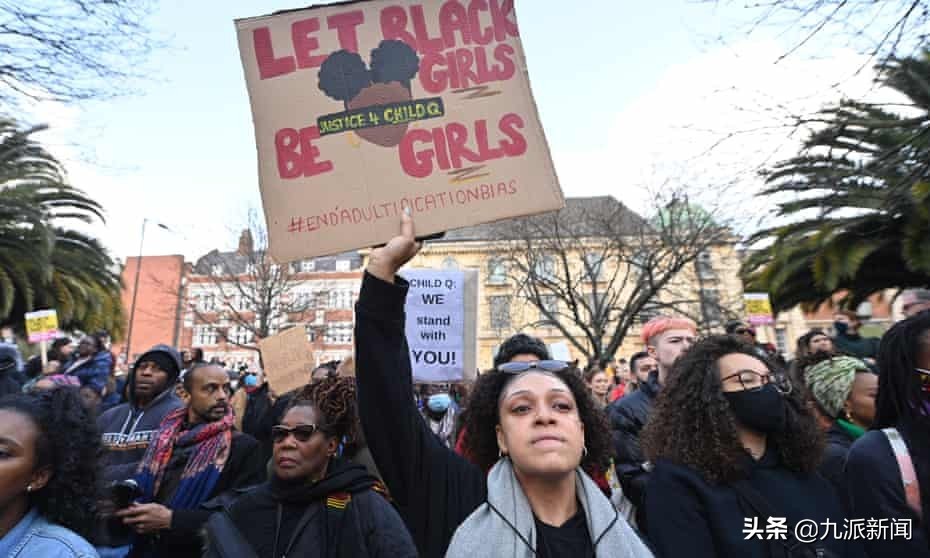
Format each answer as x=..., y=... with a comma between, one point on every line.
x=734, y=445
x=888, y=467
x=530, y=430
x=317, y=503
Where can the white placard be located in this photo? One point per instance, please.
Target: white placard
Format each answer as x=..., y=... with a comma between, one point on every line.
x=436, y=324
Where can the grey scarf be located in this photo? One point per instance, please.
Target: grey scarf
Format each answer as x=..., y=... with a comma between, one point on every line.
x=499, y=526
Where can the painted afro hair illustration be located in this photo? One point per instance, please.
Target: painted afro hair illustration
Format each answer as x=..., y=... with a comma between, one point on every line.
x=343, y=74
x=394, y=60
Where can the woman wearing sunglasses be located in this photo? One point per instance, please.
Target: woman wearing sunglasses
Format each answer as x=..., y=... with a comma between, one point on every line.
x=530, y=428
x=316, y=503
x=733, y=446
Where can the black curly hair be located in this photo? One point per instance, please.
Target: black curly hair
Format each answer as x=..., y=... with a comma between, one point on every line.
x=68, y=443
x=334, y=400
x=691, y=423
x=394, y=60
x=343, y=74
x=483, y=415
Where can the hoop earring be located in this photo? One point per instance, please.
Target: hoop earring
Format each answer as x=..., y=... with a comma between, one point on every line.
x=29, y=488
x=501, y=454
x=584, y=451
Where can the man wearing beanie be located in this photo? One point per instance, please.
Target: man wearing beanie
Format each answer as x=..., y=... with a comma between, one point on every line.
x=128, y=428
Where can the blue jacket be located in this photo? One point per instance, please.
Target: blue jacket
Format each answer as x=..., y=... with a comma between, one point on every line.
x=93, y=373
x=34, y=536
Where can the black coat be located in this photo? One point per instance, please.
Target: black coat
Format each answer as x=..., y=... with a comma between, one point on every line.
x=874, y=489
x=834, y=457
x=434, y=488
x=628, y=416
x=691, y=517
x=313, y=526
x=244, y=467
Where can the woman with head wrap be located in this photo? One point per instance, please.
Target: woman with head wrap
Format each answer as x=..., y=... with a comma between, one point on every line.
x=844, y=389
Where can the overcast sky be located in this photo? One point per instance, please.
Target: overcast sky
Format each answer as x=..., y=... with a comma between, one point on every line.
x=631, y=98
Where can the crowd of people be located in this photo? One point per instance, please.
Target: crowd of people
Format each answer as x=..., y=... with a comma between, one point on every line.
x=695, y=446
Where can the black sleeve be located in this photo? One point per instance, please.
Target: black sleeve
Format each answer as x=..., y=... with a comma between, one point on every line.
x=384, y=531
x=875, y=490
x=435, y=489
x=683, y=529
x=625, y=430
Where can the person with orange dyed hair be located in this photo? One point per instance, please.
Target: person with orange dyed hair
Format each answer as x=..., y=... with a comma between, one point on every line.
x=666, y=339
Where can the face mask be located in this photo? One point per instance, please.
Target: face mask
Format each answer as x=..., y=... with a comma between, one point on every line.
x=234, y=384
x=439, y=402
x=762, y=410
x=250, y=380
x=841, y=327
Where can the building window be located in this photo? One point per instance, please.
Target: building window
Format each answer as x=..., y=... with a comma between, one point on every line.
x=596, y=306
x=307, y=266
x=551, y=305
x=781, y=340
x=240, y=335
x=500, y=312
x=343, y=265
x=204, y=335
x=250, y=268
x=216, y=270
x=497, y=271
x=544, y=268
x=450, y=263
x=206, y=302
x=341, y=299
x=303, y=300
x=710, y=306
x=593, y=266
x=705, y=266
x=648, y=312
x=338, y=333
x=311, y=332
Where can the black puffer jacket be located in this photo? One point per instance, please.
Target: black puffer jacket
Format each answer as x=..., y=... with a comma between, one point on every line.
x=628, y=416
x=340, y=516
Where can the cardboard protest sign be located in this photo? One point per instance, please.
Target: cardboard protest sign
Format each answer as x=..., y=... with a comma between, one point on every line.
x=362, y=109
x=442, y=347
x=287, y=359
x=42, y=325
x=758, y=309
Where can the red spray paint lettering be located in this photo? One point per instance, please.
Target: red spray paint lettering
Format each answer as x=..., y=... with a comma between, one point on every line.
x=304, y=43
x=449, y=147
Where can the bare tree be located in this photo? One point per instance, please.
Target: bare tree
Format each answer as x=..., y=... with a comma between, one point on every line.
x=248, y=296
x=70, y=50
x=880, y=29
x=595, y=268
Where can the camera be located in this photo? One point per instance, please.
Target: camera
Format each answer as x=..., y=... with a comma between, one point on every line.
x=124, y=493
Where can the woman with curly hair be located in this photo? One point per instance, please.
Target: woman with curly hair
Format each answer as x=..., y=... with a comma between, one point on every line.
x=48, y=462
x=887, y=472
x=531, y=430
x=317, y=502
x=734, y=445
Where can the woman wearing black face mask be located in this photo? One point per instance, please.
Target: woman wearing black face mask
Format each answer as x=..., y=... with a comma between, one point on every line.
x=734, y=445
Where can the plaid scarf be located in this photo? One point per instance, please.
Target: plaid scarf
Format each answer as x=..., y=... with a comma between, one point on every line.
x=212, y=441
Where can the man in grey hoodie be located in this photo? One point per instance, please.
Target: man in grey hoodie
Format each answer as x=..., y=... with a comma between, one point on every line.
x=128, y=428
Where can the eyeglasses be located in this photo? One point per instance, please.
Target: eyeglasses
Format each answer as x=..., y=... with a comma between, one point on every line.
x=751, y=380
x=301, y=432
x=544, y=365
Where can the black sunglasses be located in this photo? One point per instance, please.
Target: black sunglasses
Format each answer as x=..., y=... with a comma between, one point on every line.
x=301, y=432
x=544, y=365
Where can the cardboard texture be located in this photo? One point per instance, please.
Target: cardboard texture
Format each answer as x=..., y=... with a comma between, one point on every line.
x=287, y=359
x=364, y=108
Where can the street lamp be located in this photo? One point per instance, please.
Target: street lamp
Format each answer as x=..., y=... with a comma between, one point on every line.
x=135, y=288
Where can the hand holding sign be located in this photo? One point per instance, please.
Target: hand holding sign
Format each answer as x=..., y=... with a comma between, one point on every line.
x=386, y=260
